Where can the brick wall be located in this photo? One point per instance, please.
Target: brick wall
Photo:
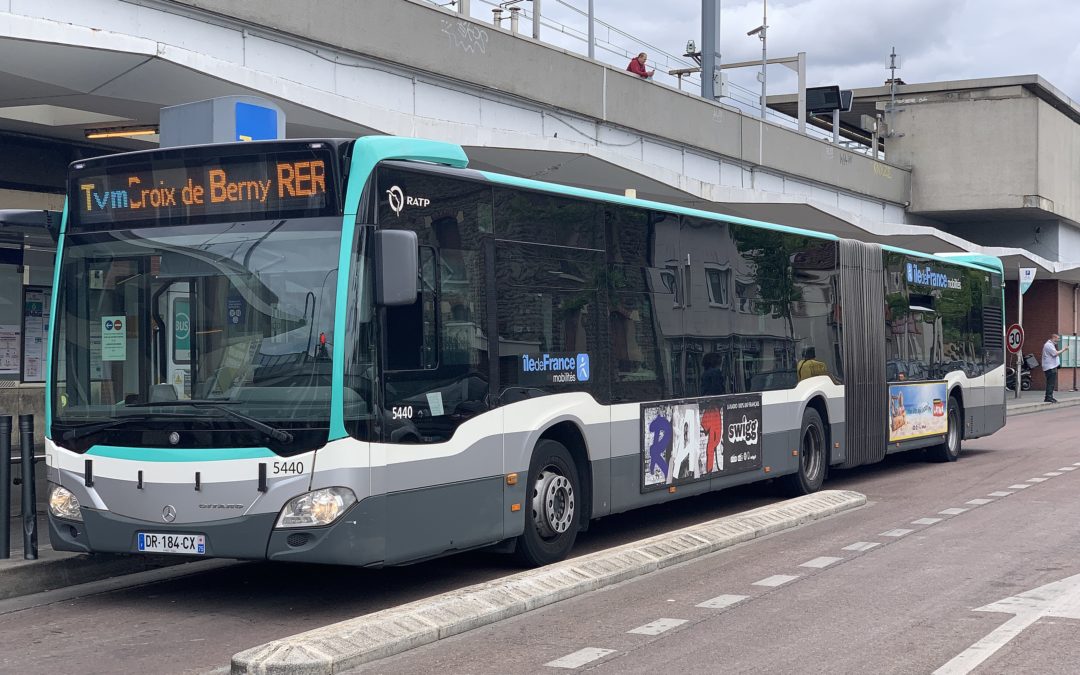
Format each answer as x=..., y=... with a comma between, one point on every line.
x=1048, y=308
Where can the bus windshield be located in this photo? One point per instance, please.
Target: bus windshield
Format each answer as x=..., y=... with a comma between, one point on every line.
x=154, y=318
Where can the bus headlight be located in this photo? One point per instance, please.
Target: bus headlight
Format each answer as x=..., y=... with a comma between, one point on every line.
x=63, y=504
x=317, y=508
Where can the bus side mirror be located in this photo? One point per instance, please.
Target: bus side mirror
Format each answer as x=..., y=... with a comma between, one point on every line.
x=396, y=265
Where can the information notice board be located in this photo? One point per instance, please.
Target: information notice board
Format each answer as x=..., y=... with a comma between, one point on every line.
x=35, y=332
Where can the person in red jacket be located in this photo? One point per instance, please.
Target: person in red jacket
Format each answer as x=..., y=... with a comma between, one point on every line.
x=637, y=66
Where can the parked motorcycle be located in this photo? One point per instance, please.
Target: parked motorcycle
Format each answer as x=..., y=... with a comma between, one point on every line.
x=1025, y=374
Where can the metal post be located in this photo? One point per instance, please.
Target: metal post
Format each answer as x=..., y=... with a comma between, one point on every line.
x=5, y=486
x=801, y=66
x=463, y=7
x=592, y=32
x=29, y=498
x=710, y=55
x=536, y=19
x=836, y=126
x=1020, y=322
x=765, y=58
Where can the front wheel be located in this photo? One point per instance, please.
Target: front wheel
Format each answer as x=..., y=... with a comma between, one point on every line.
x=813, y=457
x=554, y=514
x=949, y=449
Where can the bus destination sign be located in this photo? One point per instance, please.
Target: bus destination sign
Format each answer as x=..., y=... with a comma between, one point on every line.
x=264, y=186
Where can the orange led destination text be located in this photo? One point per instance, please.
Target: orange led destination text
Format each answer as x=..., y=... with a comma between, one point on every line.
x=294, y=179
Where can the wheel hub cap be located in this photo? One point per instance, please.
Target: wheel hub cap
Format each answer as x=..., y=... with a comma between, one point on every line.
x=553, y=504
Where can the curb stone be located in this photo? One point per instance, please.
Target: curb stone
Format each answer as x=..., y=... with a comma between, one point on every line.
x=350, y=643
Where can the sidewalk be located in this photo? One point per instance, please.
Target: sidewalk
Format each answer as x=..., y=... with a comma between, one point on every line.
x=1032, y=401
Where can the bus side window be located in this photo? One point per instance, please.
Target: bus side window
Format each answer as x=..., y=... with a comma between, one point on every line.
x=413, y=329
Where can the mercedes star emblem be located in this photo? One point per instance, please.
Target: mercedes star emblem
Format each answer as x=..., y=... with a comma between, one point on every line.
x=174, y=438
x=168, y=514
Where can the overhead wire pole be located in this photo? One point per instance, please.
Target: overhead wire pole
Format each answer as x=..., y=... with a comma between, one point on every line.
x=592, y=31
x=710, y=55
x=761, y=31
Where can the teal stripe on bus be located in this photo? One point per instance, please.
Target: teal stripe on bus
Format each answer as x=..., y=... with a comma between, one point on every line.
x=178, y=454
x=52, y=320
x=367, y=153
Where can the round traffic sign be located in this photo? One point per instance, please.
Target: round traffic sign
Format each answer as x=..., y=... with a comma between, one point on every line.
x=1014, y=338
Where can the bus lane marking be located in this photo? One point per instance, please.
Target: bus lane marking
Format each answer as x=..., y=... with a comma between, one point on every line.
x=898, y=532
x=1037, y=479
x=1052, y=473
x=953, y=511
x=1059, y=599
x=776, y=580
x=999, y=493
x=978, y=502
x=821, y=562
x=1019, y=486
x=861, y=546
x=926, y=521
x=722, y=601
x=580, y=658
x=1067, y=468
x=657, y=627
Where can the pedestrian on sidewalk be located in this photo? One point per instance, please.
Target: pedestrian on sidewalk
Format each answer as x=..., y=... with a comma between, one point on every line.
x=1051, y=361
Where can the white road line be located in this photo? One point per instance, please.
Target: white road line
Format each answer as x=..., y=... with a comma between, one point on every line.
x=1037, y=479
x=1056, y=599
x=722, y=601
x=580, y=658
x=953, y=512
x=657, y=627
x=898, y=532
x=999, y=493
x=776, y=580
x=861, y=546
x=1052, y=473
x=1019, y=486
x=822, y=562
x=978, y=502
x=1076, y=463
x=926, y=521
x=1067, y=468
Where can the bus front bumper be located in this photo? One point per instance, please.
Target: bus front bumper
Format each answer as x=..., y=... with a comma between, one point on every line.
x=351, y=540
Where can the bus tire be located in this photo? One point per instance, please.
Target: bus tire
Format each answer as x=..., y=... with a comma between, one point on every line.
x=813, y=456
x=949, y=449
x=552, y=513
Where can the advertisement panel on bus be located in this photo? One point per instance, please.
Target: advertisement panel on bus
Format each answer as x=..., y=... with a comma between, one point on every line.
x=917, y=410
x=697, y=439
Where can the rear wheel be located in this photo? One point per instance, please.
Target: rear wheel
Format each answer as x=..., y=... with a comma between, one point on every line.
x=554, y=515
x=813, y=457
x=949, y=449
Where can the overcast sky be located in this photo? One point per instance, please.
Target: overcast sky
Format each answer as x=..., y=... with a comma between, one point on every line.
x=847, y=41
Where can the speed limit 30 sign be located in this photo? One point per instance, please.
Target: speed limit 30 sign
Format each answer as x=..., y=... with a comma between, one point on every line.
x=1014, y=338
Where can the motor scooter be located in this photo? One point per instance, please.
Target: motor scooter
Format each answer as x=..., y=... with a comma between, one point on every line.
x=1025, y=374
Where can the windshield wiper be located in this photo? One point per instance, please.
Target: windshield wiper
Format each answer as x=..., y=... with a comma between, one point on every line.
x=279, y=435
x=90, y=429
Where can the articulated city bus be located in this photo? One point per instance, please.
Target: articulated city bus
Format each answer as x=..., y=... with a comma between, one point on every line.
x=363, y=352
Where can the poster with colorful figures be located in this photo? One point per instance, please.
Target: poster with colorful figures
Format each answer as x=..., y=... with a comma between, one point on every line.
x=697, y=439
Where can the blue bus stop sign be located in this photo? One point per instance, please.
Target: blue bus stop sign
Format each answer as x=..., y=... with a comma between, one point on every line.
x=255, y=122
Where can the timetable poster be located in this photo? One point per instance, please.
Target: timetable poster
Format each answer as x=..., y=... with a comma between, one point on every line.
x=35, y=332
x=698, y=439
